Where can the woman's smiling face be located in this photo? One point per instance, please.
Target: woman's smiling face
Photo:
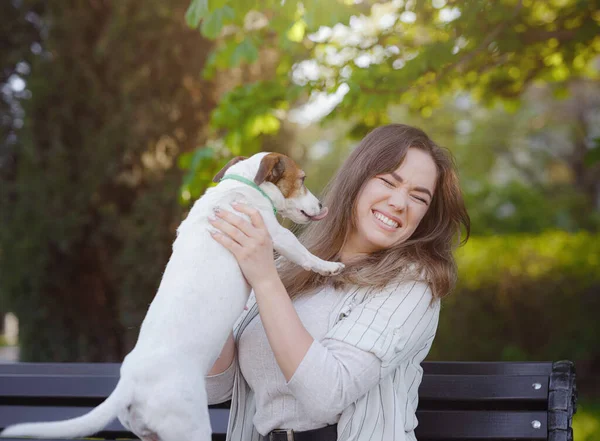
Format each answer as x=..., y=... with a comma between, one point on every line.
x=390, y=206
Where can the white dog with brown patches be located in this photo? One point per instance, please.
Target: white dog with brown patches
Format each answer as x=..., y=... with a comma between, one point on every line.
x=161, y=394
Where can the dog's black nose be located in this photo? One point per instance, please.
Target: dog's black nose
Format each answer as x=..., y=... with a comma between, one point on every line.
x=320, y=206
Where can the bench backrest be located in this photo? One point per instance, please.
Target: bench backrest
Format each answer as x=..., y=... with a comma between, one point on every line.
x=457, y=400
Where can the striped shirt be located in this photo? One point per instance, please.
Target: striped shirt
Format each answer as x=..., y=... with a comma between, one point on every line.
x=394, y=326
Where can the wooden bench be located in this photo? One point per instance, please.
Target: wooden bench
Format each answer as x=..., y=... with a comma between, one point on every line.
x=458, y=401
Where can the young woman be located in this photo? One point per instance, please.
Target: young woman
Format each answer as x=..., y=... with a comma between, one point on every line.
x=339, y=358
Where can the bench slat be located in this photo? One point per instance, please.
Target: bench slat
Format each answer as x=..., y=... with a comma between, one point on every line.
x=488, y=388
x=481, y=425
x=63, y=386
x=28, y=414
x=433, y=387
x=48, y=439
x=431, y=367
x=486, y=368
x=110, y=369
x=433, y=425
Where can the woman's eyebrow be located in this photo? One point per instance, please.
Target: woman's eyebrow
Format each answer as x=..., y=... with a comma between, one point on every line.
x=419, y=189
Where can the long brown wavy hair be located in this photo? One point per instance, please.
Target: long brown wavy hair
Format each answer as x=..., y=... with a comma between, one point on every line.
x=426, y=255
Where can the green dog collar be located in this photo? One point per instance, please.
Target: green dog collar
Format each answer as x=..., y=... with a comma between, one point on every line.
x=251, y=184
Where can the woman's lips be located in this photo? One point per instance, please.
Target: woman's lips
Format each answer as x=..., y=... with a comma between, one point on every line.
x=383, y=224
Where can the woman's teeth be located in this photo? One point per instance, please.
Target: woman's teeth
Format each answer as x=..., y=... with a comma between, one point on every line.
x=386, y=220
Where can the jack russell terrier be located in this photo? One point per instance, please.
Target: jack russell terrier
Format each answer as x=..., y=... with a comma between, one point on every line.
x=161, y=393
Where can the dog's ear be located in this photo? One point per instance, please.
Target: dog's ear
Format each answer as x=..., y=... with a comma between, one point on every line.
x=234, y=161
x=271, y=169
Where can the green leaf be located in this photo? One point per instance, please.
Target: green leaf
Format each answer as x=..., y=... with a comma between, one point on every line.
x=185, y=160
x=192, y=160
x=297, y=31
x=245, y=50
x=213, y=23
x=200, y=155
x=263, y=124
x=198, y=164
x=215, y=4
x=196, y=12
x=327, y=13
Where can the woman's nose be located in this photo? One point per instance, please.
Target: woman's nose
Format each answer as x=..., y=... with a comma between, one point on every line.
x=398, y=201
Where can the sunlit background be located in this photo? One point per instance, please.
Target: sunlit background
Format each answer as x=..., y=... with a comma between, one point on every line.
x=115, y=115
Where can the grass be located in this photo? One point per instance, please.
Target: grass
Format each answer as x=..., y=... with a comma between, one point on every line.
x=586, y=422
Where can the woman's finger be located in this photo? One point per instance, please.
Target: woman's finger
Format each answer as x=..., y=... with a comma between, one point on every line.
x=228, y=229
x=252, y=212
x=226, y=241
x=237, y=221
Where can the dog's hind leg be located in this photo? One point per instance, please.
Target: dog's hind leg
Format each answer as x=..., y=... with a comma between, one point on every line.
x=191, y=424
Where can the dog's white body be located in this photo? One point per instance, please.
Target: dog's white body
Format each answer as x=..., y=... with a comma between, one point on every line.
x=161, y=393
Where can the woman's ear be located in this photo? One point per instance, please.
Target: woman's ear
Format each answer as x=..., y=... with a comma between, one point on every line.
x=234, y=161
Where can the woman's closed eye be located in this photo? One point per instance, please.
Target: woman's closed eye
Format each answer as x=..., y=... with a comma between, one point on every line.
x=420, y=199
x=386, y=181
x=414, y=196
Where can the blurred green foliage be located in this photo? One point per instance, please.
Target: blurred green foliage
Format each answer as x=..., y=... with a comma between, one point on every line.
x=553, y=256
x=387, y=53
x=586, y=422
x=528, y=298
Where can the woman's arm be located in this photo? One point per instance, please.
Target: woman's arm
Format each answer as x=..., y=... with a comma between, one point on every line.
x=252, y=247
x=392, y=327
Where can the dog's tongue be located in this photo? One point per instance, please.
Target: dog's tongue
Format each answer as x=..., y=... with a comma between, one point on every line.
x=321, y=215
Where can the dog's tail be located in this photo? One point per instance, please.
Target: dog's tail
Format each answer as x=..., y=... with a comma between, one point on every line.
x=85, y=425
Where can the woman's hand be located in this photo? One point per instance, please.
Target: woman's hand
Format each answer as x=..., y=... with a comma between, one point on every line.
x=250, y=243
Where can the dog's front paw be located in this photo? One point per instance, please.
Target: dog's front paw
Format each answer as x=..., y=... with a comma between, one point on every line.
x=330, y=268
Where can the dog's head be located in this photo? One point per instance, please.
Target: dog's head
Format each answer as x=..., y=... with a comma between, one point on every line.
x=281, y=178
